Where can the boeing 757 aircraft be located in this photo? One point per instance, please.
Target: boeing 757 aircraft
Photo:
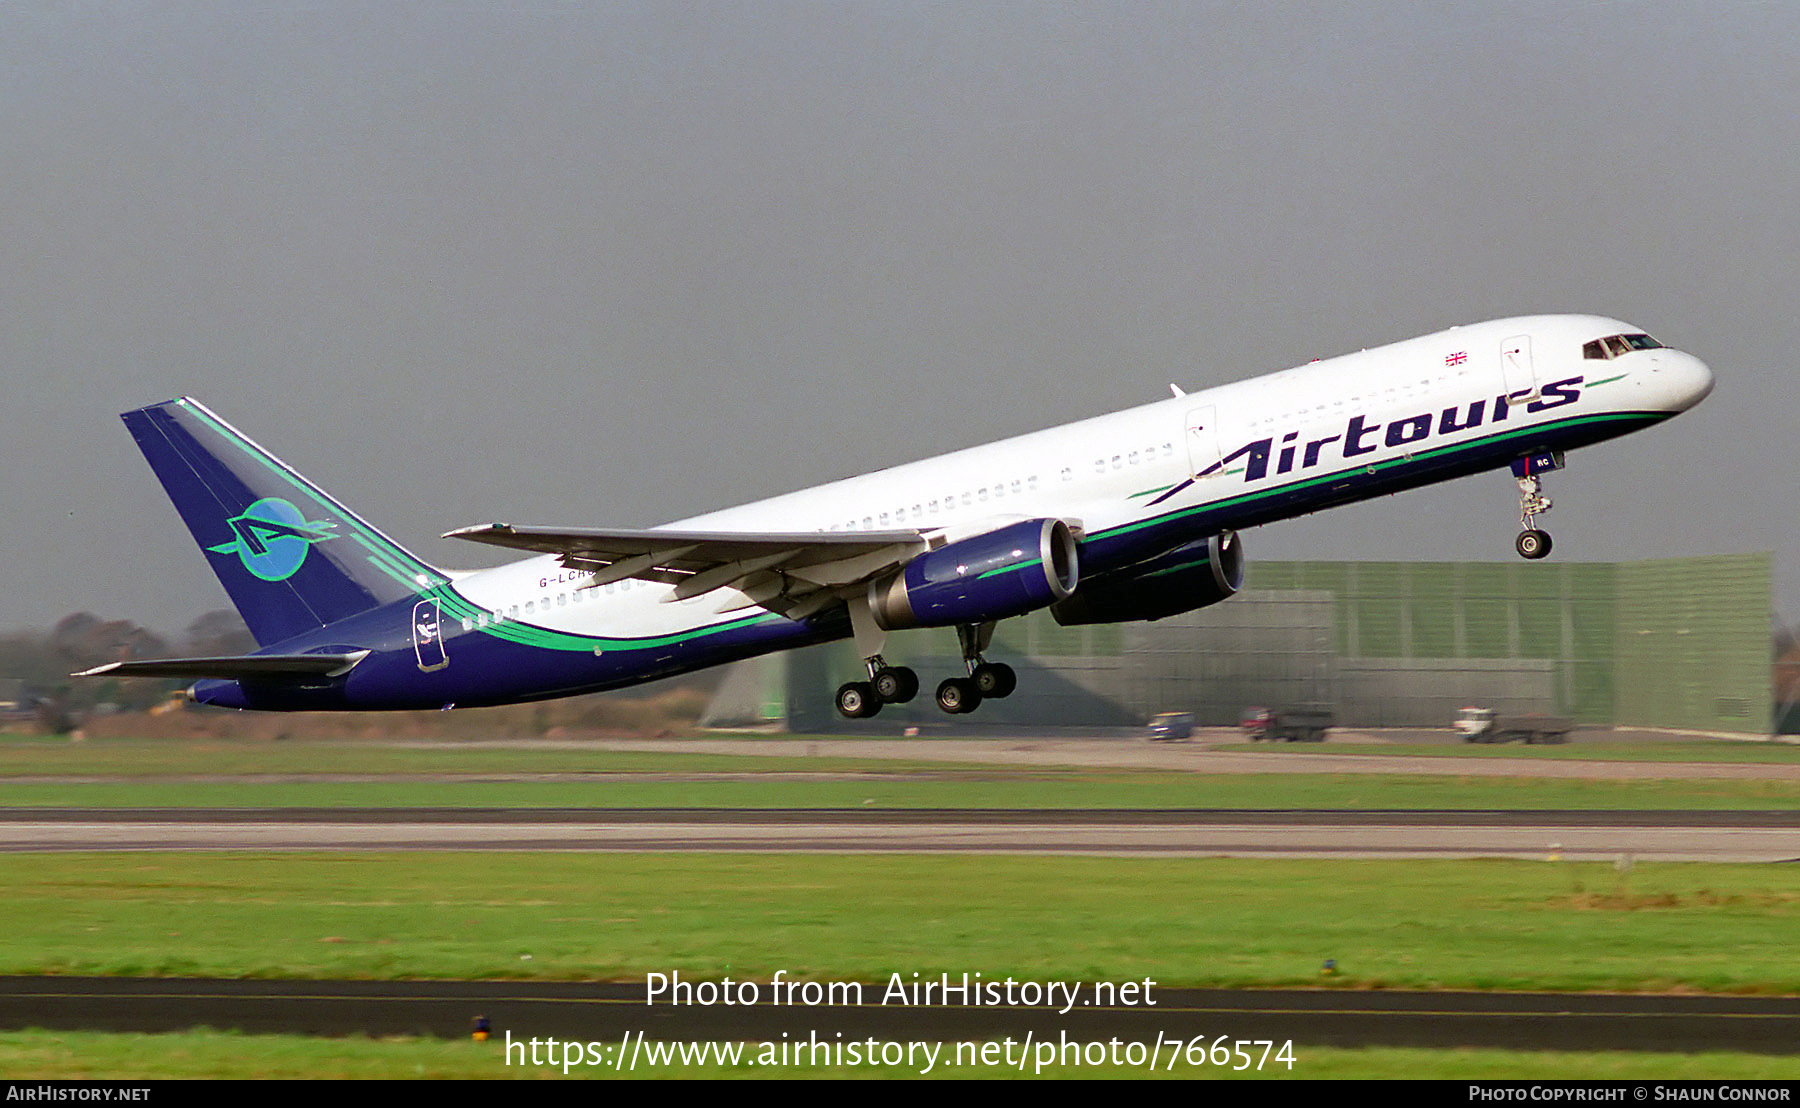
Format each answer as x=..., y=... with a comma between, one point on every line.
x=1129, y=516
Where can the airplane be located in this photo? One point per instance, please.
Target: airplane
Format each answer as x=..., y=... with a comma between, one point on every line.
x=1129, y=516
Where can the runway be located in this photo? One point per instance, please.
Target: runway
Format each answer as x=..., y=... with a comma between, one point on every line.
x=1130, y=751
x=1712, y=836
x=610, y=1012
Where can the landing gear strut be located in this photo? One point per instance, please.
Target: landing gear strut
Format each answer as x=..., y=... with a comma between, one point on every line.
x=886, y=684
x=1532, y=543
x=961, y=695
x=898, y=684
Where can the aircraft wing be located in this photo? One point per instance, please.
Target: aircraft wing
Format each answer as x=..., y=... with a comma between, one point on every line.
x=249, y=667
x=793, y=573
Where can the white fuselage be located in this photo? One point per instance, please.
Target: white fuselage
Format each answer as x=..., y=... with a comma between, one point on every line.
x=1291, y=442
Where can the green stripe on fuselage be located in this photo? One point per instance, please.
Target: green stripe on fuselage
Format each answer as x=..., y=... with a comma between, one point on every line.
x=459, y=607
x=1376, y=467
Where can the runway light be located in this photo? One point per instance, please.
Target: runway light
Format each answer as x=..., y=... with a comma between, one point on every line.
x=481, y=1029
x=1329, y=969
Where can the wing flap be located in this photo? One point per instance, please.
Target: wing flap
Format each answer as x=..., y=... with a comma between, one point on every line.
x=685, y=551
x=781, y=567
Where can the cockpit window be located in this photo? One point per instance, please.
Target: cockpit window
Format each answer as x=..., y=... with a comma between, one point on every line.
x=1614, y=345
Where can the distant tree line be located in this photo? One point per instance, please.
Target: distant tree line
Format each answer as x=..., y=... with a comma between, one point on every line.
x=38, y=663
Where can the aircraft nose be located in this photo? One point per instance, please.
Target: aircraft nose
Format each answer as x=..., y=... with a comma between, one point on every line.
x=1676, y=381
x=1689, y=380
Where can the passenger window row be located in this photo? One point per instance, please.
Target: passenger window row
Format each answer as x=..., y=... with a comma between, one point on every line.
x=924, y=510
x=1132, y=458
x=543, y=604
x=1403, y=388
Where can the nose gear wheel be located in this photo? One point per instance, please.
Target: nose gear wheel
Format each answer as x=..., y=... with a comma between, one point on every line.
x=1533, y=542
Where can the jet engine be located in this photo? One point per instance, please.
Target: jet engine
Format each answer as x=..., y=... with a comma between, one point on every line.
x=1006, y=572
x=1180, y=580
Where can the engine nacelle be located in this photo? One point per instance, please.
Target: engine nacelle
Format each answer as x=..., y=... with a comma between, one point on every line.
x=1017, y=569
x=1181, y=580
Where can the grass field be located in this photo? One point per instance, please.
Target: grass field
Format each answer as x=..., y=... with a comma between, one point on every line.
x=221, y=1055
x=166, y=773
x=1024, y=788
x=1212, y=922
x=1604, y=750
x=32, y=756
x=21, y=757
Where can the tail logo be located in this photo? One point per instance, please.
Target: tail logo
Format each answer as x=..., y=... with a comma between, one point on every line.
x=271, y=538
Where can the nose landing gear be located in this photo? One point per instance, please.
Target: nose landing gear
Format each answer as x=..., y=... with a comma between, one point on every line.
x=1533, y=542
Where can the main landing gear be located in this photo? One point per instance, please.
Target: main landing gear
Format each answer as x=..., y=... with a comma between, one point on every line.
x=961, y=695
x=957, y=696
x=1532, y=542
x=886, y=685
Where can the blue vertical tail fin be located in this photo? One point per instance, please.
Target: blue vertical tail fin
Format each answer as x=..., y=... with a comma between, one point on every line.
x=292, y=558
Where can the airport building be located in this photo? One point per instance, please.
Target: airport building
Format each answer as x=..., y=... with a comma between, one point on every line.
x=1679, y=643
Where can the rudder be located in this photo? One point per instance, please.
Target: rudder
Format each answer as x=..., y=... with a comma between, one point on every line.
x=292, y=558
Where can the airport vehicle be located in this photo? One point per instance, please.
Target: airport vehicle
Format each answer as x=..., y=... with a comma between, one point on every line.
x=1255, y=722
x=1166, y=726
x=1128, y=516
x=1294, y=725
x=1484, y=725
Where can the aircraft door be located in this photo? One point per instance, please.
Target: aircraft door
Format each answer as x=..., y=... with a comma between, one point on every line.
x=1202, y=441
x=1517, y=367
x=428, y=635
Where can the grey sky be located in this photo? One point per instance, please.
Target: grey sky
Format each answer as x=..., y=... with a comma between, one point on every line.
x=610, y=265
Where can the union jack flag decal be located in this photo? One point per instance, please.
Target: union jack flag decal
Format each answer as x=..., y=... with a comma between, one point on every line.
x=1457, y=358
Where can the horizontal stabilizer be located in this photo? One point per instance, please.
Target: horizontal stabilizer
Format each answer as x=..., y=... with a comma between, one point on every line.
x=252, y=667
